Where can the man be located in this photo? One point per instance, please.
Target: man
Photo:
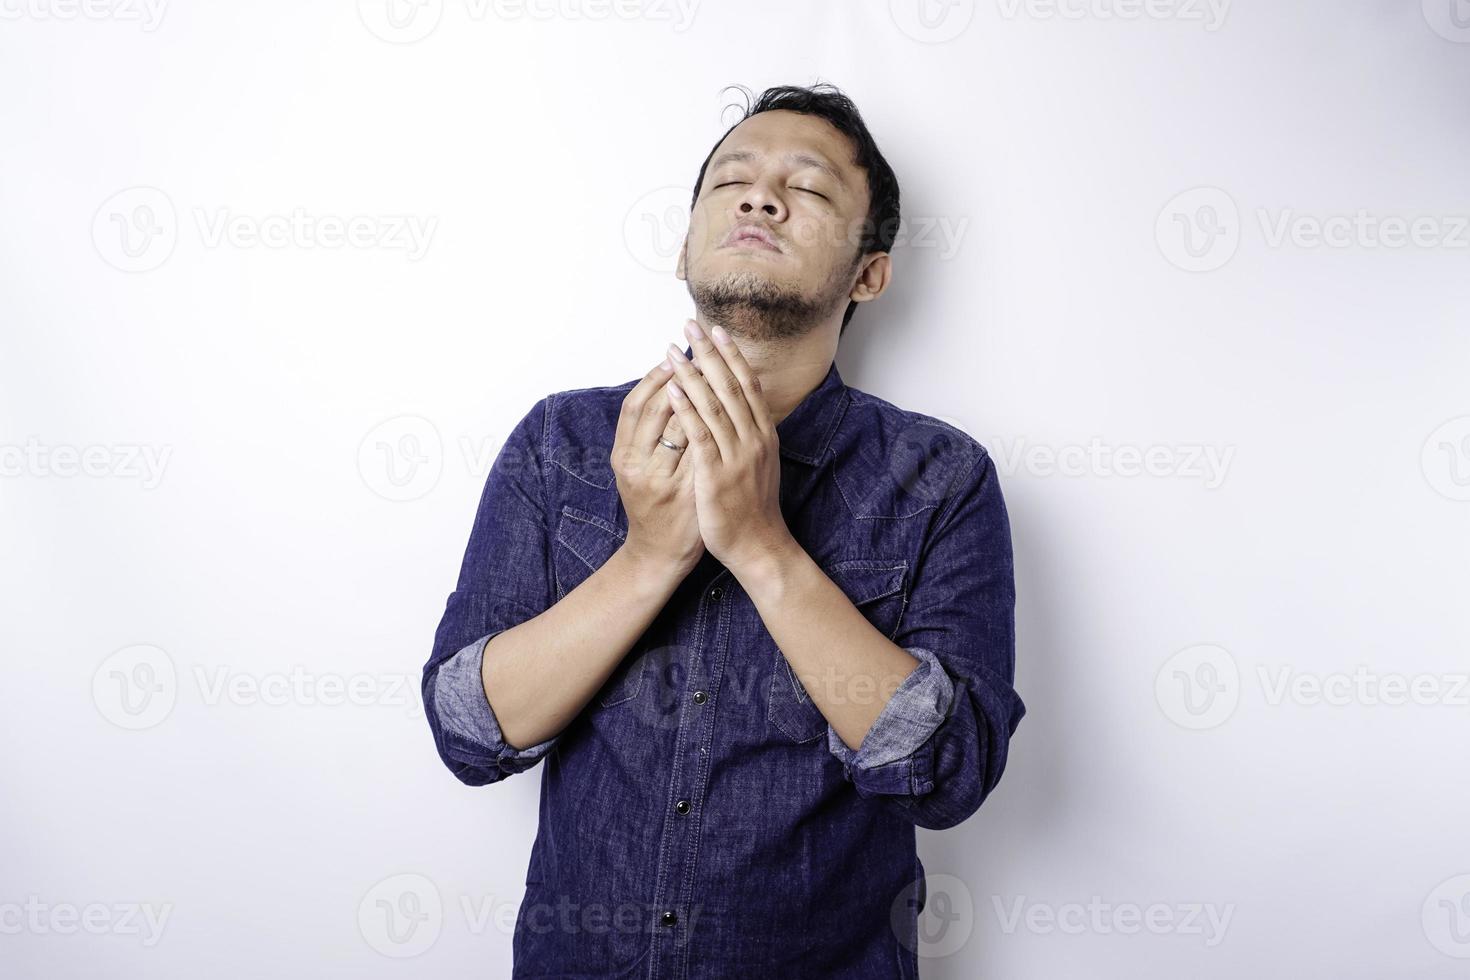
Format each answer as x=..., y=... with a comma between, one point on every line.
x=758, y=623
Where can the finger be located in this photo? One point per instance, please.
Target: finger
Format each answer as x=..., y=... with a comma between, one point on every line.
x=655, y=415
x=663, y=460
x=724, y=382
x=705, y=404
x=633, y=405
x=750, y=382
x=701, y=443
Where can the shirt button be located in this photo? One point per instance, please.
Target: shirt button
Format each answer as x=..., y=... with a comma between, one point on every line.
x=682, y=806
x=700, y=697
x=716, y=592
x=668, y=918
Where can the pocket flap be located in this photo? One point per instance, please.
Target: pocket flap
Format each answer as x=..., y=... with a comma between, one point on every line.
x=867, y=580
x=584, y=544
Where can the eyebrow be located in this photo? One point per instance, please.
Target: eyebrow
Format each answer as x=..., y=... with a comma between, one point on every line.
x=805, y=159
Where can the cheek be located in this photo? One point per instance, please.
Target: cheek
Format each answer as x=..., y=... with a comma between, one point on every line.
x=702, y=232
x=822, y=237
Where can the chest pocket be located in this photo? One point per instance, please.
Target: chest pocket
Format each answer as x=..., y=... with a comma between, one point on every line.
x=878, y=587
x=584, y=543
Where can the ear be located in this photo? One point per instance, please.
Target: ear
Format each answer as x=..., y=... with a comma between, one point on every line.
x=679, y=270
x=873, y=278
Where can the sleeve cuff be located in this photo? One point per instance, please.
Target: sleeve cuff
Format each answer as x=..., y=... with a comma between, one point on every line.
x=895, y=757
x=464, y=710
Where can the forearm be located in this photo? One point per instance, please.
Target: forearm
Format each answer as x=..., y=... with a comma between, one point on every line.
x=848, y=667
x=539, y=674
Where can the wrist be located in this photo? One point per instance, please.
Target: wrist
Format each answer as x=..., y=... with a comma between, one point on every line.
x=769, y=570
x=659, y=573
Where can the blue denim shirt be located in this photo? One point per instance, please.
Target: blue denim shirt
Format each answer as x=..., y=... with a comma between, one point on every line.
x=700, y=817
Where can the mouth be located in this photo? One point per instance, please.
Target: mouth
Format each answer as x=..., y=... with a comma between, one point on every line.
x=751, y=238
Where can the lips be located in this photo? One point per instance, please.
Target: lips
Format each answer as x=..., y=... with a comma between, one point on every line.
x=752, y=237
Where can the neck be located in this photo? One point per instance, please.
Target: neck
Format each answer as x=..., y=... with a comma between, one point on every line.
x=789, y=368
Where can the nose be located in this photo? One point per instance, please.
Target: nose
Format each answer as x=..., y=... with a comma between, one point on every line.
x=759, y=195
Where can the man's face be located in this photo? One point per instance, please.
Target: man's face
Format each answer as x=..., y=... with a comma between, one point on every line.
x=790, y=176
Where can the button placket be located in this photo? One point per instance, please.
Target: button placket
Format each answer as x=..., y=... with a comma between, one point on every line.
x=687, y=785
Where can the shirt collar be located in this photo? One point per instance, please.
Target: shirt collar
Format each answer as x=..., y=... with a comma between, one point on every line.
x=807, y=430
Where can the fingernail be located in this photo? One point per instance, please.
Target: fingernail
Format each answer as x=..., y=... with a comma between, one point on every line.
x=675, y=390
x=677, y=351
x=718, y=332
x=692, y=329
x=668, y=364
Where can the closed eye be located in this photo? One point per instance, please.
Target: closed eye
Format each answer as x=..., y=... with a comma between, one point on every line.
x=808, y=190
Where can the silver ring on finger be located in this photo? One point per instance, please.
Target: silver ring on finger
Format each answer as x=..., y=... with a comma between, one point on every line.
x=672, y=445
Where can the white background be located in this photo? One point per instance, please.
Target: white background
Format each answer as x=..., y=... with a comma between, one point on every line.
x=209, y=708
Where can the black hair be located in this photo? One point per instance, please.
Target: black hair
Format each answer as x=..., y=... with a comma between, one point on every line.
x=828, y=102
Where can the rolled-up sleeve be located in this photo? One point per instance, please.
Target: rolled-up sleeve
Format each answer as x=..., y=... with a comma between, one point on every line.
x=469, y=721
x=505, y=579
x=897, y=753
x=940, y=744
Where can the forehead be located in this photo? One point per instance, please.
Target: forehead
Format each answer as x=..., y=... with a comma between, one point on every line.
x=795, y=138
